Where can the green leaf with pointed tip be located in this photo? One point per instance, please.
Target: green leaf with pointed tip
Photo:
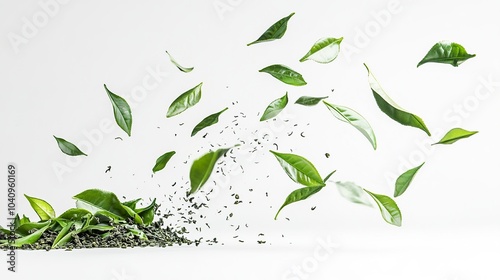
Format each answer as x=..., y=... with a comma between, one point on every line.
x=121, y=110
x=446, y=52
x=106, y=202
x=183, y=69
x=137, y=218
x=276, y=31
x=353, y=193
x=42, y=208
x=148, y=213
x=274, y=108
x=74, y=214
x=309, y=100
x=30, y=239
x=63, y=236
x=68, y=148
x=388, y=208
x=99, y=227
x=391, y=109
x=325, y=50
x=329, y=175
x=299, y=169
x=404, y=180
x=454, y=135
x=162, y=161
x=202, y=168
x=284, y=74
x=26, y=228
x=298, y=195
x=185, y=101
x=208, y=121
x=4, y=231
x=132, y=203
x=355, y=119
x=24, y=220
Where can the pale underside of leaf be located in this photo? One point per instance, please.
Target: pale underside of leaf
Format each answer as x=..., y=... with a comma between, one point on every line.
x=352, y=117
x=324, y=50
x=353, y=193
x=181, y=68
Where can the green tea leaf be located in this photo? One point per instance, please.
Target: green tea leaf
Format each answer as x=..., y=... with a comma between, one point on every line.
x=24, y=220
x=276, y=31
x=284, y=74
x=42, y=208
x=353, y=193
x=329, y=175
x=355, y=119
x=309, y=100
x=299, y=169
x=74, y=214
x=202, y=168
x=4, y=231
x=148, y=213
x=391, y=109
x=161, y=162
x=121, y=110
x=274, y=108
x=388, y=208
x=99, y=227
x=183, y=69
x=106, y=202
x=26, y=228
x=63, y=236
x=298, y=195
x=325, y=50
x=446, y=52
x=137, y=218
x=68, y=148
x=208, y=121
x=30, y=239
x=132, y=203
x=454, y=135
x=185, y=101
x=137, y=232
x=404, y=180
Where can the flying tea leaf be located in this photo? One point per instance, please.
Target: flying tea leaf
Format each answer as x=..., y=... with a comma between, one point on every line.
x=276, y=31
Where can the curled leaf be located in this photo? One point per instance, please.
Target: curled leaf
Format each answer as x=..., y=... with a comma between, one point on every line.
x=388, y=208
x=275, y=31
x=183, y=69
x=121, y=110
x=446, y=52
x=454, y=135
x=355, y=119
x=299, y=169
x=68, y=148
x=284, y=74
x=298, y=195
x=353, y=193
x=185, y=101
x=274, y=108
x=208, y=121
x=404, y=180
x=391, y=109
x=325, y=50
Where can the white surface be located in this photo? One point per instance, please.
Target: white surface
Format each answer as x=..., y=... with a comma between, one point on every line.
x=53, y=85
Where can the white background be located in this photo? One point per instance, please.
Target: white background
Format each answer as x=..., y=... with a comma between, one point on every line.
x=55, y=60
